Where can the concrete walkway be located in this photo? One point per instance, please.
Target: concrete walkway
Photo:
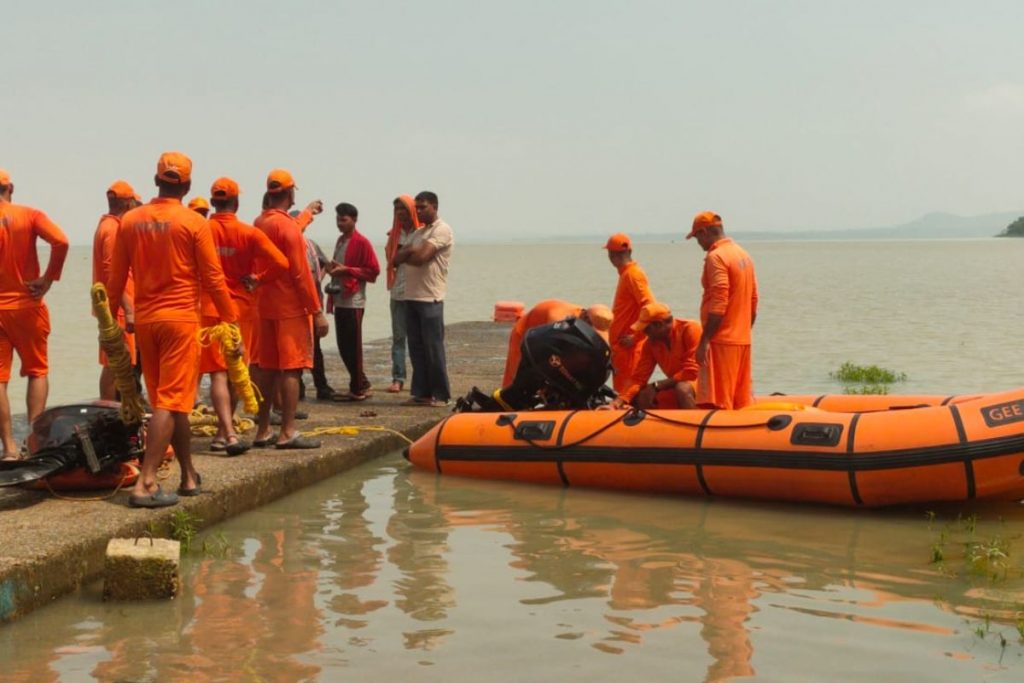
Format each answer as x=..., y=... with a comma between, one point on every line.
x=49, y=547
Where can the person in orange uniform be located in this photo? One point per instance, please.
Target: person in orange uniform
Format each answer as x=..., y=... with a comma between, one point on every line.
x=200, y=206
x=671, y=344
x=24, y=318
x=728, y=310
x=631, y=294
x=285, y=307
x=550, y=311
x=120, y=199
x=248, y=259
x=171, y=253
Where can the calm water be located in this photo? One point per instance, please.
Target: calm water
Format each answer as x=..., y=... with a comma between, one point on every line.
x=385, y=573
x=948, y=313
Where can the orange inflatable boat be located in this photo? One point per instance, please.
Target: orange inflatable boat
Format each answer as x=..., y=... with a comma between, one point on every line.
x=848, y=450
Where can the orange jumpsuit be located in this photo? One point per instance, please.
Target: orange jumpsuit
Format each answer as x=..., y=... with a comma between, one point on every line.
x=170, y=251
x=677, y=359
x=24, y=319
x=102, y=256
x=730, y=290
x=544, y=313
x=243, y=250
x=286, y=303
x=632, y=294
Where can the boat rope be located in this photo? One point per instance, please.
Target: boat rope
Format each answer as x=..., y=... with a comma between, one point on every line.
x=354, y=430
x=118, y=360
x=229, y=338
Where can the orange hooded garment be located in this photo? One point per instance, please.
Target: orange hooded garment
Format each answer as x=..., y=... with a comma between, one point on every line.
x=395, y=233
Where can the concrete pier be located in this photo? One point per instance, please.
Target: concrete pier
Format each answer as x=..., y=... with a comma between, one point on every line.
x=50, y=546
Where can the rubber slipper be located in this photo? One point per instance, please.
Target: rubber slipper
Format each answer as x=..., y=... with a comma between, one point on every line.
x=298, y=441
x=349, y=397
x=218, y=445
x=194, y=491
x=417, y=401
x=238, y=447
x=395, y=388
x=157, y=499
x=267, y=441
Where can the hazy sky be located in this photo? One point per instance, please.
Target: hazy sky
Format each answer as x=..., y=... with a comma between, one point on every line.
x=527, y=118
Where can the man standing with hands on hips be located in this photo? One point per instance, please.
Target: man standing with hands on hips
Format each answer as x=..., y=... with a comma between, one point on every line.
x=426, y=281
x=728, y=310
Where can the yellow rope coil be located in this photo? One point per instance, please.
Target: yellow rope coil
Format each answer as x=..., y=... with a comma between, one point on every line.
x=353, y=430
x=229, y=337
x=120, y=363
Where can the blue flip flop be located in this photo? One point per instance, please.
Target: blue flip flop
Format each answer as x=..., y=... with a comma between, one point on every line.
x=157, y=499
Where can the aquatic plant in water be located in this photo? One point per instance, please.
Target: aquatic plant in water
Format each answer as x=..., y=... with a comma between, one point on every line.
x=866, y=379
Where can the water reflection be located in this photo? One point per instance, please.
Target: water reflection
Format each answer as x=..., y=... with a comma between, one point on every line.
x=384, y=571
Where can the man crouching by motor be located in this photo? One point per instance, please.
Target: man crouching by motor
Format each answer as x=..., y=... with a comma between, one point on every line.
x=671, y=344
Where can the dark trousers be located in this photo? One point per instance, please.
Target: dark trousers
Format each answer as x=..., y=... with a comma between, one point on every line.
x=425, y=333
x=348, y=329
x=319, y=370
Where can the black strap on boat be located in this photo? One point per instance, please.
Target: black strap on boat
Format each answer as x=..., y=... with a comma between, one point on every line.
x=437, y=444
x=558, y=443
x=698, y=444
x=852, y=473
x=961, y=434
x=946, y=400
x=819, y=400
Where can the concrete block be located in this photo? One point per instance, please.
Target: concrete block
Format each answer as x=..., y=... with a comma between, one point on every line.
x=141, y=569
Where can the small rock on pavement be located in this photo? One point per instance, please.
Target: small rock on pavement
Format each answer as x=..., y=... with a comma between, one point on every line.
x=141, y=569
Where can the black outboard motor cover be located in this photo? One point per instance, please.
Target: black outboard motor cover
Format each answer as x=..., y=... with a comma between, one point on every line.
x=83, y=435
x=563, y=365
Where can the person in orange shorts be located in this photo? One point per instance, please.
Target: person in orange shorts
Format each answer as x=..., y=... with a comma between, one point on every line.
x=248, y=259
x=671, y=345
x=200, y=206
x=631, y=294
x=24, y=317
x=546, y=312
x=285, y=307
x=728, y=310
x=170, y=250
x=120, y=198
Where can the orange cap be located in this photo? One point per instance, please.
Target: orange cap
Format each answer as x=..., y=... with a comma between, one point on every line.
x=198, y=203
x=121, y=190
x=224, y=188
x=174, y=167
x=137, y=197
x=619, y=242
x=650, y=313
x=279, y=180
x=705, y=219
x=5, y=177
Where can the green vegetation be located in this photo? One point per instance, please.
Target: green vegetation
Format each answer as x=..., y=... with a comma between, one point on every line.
x=184, y=526
x=1014, y=229
x=866, y=379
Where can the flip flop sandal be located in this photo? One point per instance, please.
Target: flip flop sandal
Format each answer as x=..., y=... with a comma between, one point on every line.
x=157, y=499
x=238, y=447
x=218, y=445
x=298, y=442
x=265, y=442
x=395, y=388
x=195, y=491
x=417, y=401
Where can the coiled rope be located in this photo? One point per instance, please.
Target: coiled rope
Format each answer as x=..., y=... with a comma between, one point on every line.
x=229, y=337
x=120, y=363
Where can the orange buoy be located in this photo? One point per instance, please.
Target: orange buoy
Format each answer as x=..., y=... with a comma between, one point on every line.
x=508, y=311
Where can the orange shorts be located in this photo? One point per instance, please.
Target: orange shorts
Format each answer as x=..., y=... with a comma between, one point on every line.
x=25, y=331
x=286, y=344
x=210, y=357
x=248, y=317
x=170, y=363
x=725, y=382
x=129, y=341
x=623, y=362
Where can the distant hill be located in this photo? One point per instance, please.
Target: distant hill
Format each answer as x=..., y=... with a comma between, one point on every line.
x=930, y=226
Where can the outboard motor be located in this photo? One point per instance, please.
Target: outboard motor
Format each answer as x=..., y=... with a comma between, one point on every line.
x=564, y=366
x=82, y=435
